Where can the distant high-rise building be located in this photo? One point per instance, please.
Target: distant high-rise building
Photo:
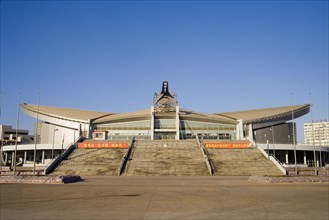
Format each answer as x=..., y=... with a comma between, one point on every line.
x=319, y=131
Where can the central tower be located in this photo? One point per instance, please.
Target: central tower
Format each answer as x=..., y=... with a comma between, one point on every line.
x=165, y=115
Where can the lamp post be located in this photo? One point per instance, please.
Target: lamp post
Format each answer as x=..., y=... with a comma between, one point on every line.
x=62, y=143
x=287, y=152
x=273, y=142
x=52, y=151
x=16, y=139
x=36, y=135
x=293, y=132
x=1, y=134
x=268, y=150
x=313, y=137
x=322, y=133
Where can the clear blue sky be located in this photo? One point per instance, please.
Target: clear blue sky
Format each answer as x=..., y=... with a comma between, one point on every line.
x=112, y=56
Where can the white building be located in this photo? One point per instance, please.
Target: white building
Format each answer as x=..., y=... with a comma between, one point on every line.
x=317, y=132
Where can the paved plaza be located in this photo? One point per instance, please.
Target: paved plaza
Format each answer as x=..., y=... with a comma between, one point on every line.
x=165, y=198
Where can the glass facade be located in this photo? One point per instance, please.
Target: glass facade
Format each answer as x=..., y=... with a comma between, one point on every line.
x=166, y=129
x=207, y=131
x=127, y=130
x=165, y=124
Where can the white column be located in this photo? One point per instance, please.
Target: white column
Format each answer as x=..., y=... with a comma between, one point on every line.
x=287, y=157
x=6, y=158
x=90, y=129
x=12, y=158
x=43, y=156
x=177, y=123
x=25, y=155
x=251, y=135
x=239, y=129
x=152, y=122
x=305, y=161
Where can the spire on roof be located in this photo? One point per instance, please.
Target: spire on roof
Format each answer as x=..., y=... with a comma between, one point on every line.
x=165, y=101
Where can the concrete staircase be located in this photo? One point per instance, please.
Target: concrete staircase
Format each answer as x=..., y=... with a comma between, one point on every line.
x=166, y=158
x=242, y=162
x=90, y=162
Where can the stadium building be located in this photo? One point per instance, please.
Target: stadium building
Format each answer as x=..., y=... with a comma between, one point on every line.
x=271, y=129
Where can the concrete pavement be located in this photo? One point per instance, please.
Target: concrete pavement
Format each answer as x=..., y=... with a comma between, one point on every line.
x=165, y=198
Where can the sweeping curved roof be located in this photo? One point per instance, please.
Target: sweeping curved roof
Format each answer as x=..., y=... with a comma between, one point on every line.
x=146, y=114
x=119, y=117
x=268, y=114
x=248, y=116
x=64, y=113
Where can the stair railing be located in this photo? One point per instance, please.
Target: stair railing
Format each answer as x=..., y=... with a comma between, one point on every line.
x=126, y=157
x=55, y=162
x=205, y=156
x=272, y=158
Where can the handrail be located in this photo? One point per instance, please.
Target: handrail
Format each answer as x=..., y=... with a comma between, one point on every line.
x=68, y=150
x=252, y=141
x=55, y=162
x=272, y=155
x=273, y=159
x=279, y=165
x=205, y=156
x=263, y=152
x=126, y=157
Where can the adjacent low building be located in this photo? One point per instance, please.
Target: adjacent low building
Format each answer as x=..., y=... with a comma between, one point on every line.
x=8, y=135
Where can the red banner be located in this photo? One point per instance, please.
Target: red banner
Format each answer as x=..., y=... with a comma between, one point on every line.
x=235, y=144
x=102, y=144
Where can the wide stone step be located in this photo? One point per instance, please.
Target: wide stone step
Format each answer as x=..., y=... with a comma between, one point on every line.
x=166, y=158
x=243, y=162
x=91, y=162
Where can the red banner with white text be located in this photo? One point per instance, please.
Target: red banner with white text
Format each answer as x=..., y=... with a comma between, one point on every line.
x=102, y=144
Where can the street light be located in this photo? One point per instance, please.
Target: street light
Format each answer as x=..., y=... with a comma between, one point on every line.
x=268, y=151
x=62, y=143
x=313, y=137
x=52, y=151
x=321, y=133
x=36, y=135
x=293, y=132
x=273, y=141
x=16, y=139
